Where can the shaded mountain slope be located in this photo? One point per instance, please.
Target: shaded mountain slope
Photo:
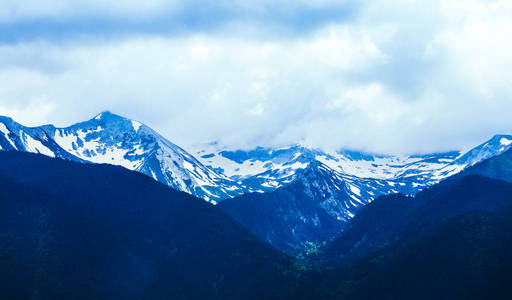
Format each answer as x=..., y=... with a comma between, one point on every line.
x=451, y=241
x=394, y=218
x=466, y=256
x=310, y=209
x=498, y=167
x=86, y=231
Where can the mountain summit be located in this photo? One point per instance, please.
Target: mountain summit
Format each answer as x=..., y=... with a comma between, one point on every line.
x=219, y=173
x=285, y=181
x=113, y=139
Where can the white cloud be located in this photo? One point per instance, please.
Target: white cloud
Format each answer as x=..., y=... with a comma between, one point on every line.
x=407, y=76
x=208, y=80
x=33, y=113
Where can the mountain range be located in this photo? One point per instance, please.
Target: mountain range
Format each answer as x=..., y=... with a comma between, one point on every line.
x=74, y=229
x=289, y=196
x=71, y=230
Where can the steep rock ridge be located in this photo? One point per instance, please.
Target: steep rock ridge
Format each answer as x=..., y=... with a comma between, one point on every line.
x=497, y=145
x=313, y=207
x=217, y=173
x=497, y=167
x=316, y=195
x=266, y=169
x=15, y=137
x=112, y=139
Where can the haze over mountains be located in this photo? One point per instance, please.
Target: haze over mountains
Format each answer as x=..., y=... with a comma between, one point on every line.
x=311, y=193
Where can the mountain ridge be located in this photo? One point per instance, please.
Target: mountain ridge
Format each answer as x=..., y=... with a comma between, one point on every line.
x=217, y=174
x=110, y=138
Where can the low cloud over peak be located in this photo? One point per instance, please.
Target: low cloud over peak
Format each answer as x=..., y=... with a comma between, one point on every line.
x=382, y=76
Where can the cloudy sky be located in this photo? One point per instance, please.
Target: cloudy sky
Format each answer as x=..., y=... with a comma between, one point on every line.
x=383, y=76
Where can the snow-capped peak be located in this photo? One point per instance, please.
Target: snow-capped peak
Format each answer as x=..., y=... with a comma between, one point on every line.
x=113, y=139
x=214, y=172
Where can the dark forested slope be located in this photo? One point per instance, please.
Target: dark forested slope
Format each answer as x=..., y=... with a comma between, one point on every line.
x=451, y=241
x=76, y=231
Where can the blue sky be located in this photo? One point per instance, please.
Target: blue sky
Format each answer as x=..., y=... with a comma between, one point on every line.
x=383, y=76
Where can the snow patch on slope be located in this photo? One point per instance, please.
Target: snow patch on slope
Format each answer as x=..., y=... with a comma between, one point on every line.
x=355, y=190
x=94, y=150
x=505, y=141
x=35, y=146
x=6, y=133
x=136, y=125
